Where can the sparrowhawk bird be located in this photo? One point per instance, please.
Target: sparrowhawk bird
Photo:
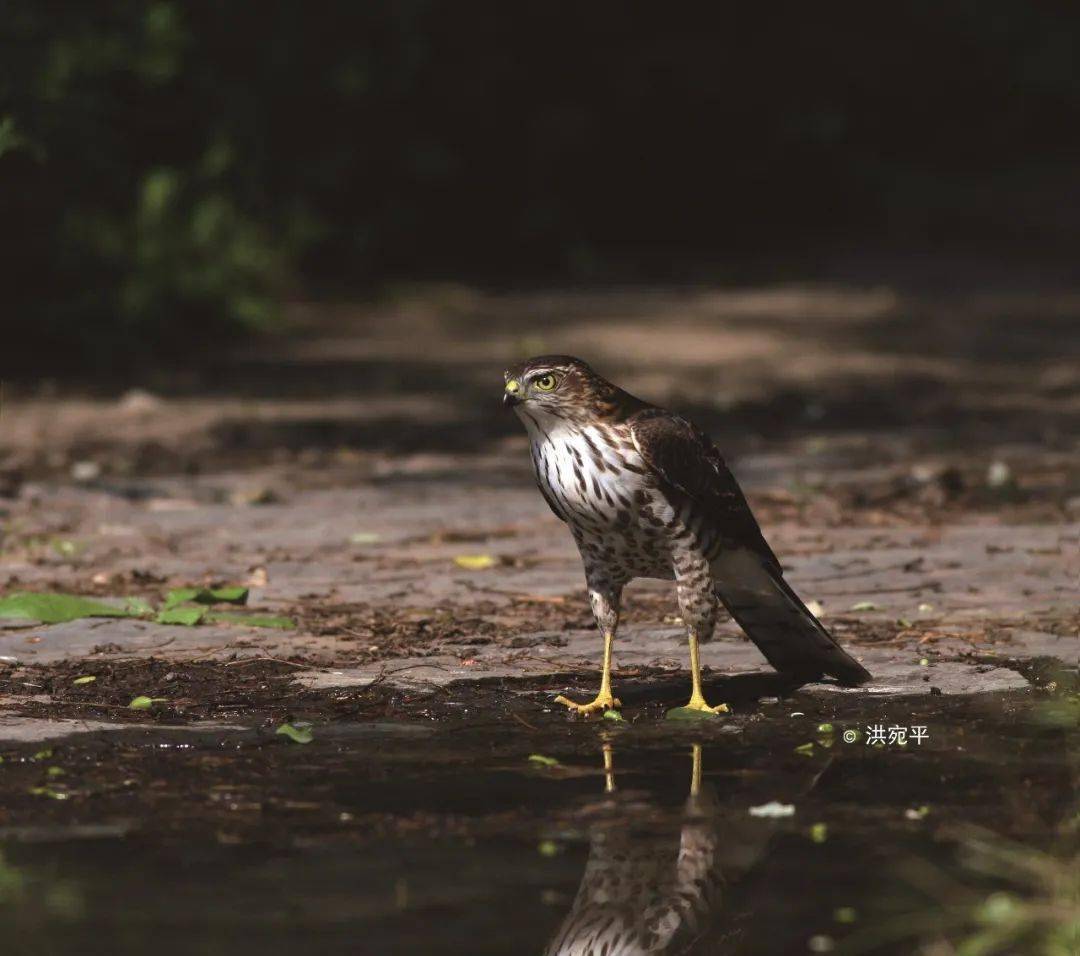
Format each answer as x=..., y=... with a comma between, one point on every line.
x=646, y=494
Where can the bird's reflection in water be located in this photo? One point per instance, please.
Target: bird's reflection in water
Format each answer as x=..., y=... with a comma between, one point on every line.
x=658, y=892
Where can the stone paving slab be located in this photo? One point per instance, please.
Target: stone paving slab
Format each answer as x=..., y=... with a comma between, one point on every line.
x=394, y=545
x=896, y=671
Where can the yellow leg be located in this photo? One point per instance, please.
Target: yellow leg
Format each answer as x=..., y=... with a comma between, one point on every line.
x=695, y=773
x=609, y=770
x=604, y=700
x=697, y=701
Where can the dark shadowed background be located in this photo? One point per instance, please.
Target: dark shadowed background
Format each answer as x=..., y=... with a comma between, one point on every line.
x=173, y=171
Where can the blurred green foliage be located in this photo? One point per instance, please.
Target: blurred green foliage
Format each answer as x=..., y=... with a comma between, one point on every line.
x=131, y=229
x=172, y=168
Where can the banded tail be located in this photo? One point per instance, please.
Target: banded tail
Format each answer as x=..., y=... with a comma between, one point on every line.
x=776, y=620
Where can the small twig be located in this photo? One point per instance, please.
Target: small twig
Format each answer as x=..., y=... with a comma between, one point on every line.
x=521, y=720
x=276, y=660
x=925, y=586
x=409, y=667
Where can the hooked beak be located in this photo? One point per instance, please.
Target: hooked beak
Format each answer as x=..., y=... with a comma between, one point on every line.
x=512, y=393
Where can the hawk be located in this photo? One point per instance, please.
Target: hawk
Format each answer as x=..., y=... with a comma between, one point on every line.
x=646, y=494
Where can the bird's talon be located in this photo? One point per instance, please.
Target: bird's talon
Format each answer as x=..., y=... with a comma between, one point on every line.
x=698, y=703
x=599, y=705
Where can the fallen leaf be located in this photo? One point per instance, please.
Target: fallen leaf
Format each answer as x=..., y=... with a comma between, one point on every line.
x=807, y=750
x=365, y=537
x=547, y=848
x=51, y=792
x=614, y=715
x=138, y=607
x=296, y=733
x=88, y=679
x=226, y=595
x=250, y=620
x=689, y=713
x=144, y=703
x=819, y=833
x=188, y=616
x=543, y=761
x=82, y=471
x=864, y=606
x=475, y=562
x=773, y=810
x=58, y=608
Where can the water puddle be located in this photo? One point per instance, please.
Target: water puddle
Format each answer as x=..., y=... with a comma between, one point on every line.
x=498, y=827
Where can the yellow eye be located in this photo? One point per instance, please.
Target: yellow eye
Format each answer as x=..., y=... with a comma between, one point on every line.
x=546, y=382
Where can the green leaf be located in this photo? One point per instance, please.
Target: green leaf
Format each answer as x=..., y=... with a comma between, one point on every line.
x=824, y=728
x=807, y=750
x=50, y=792
x=88, y=679
x=614, y=715
x=58, y=608
x=138, y=606
x=298, y=735
x=189, y=616
x=226, y=595
x=179, y=596
x=819, y=833
x=251, y=620
x=547, y=848
x=54, y=772
x=864, y=606
x=541, y=761
x=145, y=703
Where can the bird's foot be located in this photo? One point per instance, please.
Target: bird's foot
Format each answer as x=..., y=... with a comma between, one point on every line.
x=604, y=701
x=697, y=707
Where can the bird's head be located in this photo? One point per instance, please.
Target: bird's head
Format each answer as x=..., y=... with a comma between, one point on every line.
x=554, y=385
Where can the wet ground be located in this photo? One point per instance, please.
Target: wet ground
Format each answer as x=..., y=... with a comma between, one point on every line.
x=467, y=821
x=920, y=484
